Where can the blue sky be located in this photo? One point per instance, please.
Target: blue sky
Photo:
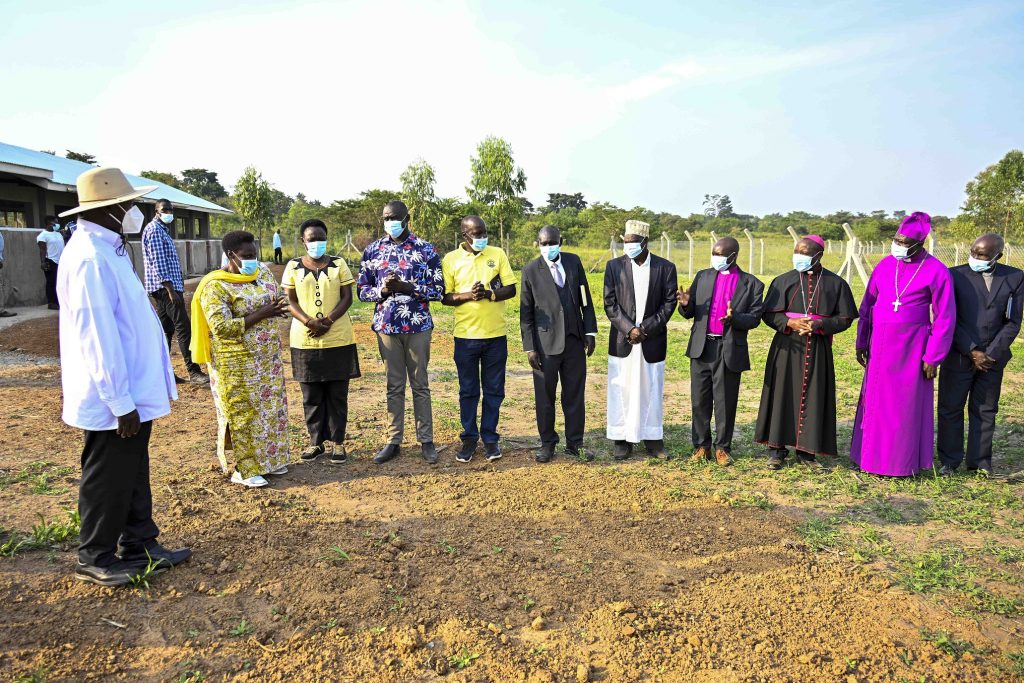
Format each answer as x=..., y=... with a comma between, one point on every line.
x=783, y=106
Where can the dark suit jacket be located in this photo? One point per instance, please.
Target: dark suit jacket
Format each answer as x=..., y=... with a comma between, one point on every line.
x=541, y=319
x=620, y=307
x=747, y=308
x=988, y=321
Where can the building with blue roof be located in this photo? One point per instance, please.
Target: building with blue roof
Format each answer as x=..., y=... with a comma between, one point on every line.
x=35, y=184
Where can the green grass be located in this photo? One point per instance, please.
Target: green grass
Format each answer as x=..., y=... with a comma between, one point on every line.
x=948, y=643
x=243, y=628
x=44, y=535
x=463, y=658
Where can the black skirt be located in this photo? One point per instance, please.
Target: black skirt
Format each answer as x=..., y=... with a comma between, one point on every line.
x=325, y=365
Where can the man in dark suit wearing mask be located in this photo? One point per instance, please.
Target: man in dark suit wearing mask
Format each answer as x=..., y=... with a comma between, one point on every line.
x=559, y=328
x=989, y=302
x=724, y=303
x=639, y=297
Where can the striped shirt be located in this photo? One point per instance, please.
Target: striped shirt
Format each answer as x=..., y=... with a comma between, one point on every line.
x=160, y=259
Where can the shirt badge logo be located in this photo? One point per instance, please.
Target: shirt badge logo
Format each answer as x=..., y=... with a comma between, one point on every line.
x=491, y=263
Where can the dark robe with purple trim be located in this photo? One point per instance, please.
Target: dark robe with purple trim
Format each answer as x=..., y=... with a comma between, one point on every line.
x=798, y=402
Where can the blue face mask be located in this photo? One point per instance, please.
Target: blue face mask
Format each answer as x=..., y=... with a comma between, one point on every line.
x=720, y=263
x=394, y=228
x=802, y=262
x=248, y=266
x=979, y=266
x=550, y=251
x=479, y=243
x=899, y=251
x=316, y=249
x=633, y=249
x=167, y=218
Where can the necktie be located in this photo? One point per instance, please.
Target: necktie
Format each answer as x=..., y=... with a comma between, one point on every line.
x=557, y=272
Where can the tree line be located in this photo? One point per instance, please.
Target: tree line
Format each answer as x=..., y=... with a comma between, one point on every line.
x=496, y=191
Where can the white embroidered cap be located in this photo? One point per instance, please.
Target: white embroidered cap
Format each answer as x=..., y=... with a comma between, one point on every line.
x=638, y=228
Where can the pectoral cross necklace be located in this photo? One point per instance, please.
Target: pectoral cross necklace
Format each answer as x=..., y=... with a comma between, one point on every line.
x=896, y=284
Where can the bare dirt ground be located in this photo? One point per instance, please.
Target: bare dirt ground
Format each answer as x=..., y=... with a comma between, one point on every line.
x=507, y=572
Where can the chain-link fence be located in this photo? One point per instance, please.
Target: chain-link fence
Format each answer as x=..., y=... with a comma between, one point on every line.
x=769, y=257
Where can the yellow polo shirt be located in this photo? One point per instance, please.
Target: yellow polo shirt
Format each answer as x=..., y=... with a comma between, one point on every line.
x=318, y=293
x=462, y=269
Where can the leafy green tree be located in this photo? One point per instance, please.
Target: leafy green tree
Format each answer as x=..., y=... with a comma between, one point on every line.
x=49, y=151
x=995, y=198
x=279, y=202
x=418, y=194
x=558, y=201
x=161, y=177
x=203, y=183
x=497, y=182
x=717, y=205
x=253, y=200
x=80, y=156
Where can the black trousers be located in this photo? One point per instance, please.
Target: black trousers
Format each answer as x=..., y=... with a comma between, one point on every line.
x=114, y=499
x=174, y=319
x=51, y=283
x=278, y=257
x=569, y=367
x=713, y=388
x=325, y=405
x=960, y=385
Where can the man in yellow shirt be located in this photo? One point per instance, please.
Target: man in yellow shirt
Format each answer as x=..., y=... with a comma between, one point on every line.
x=477, y=281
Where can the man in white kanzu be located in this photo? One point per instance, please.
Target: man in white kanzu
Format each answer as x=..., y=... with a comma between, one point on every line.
x=116, y=376
x=639, y=298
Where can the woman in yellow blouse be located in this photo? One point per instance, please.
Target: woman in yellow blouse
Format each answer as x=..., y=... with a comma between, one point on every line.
x=323, y=346
x=235, y=332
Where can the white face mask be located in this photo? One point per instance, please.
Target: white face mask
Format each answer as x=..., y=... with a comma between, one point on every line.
x=899, y=251
x=721, y=263
x=131, y=222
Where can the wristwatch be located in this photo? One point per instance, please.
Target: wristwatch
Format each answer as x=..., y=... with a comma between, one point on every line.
x=492, y=295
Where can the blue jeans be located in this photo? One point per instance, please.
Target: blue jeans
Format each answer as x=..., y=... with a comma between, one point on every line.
x=481, y=363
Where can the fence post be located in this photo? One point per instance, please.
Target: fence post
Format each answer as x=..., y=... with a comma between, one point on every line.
x=931, y=243
x=828, y=246
x=956, y=254
x=761, y=270
x=792, y=233
x=714, y=238
x=666, y=247
x=750, y=239
x=689, y=269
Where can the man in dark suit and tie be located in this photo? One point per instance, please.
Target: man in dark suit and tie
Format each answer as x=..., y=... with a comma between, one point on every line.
x=724, y=303
x=989, y=302
x=639, y=297
x=556, y=318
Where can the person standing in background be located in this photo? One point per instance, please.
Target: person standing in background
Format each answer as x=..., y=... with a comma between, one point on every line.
x=323, y=346
x=639, y=297
x=4, y=313
x=724, y=304
x=907, y=320
x=989, y=306
x=559, y=330
x=51, y=245
x=278, y=255
x=401, y=274
x=164, y=282
x=477, y=280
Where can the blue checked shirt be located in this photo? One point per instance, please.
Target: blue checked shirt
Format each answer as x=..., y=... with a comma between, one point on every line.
x=160, y=259
x=415, y=261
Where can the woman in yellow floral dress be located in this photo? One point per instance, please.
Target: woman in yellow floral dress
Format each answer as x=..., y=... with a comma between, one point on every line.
x=235, y=331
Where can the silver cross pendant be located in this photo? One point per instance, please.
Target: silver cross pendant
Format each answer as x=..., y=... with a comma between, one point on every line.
x=896, y=306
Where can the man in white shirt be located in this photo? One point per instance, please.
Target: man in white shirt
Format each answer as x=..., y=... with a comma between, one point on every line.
x=4, y=313
x=51, y=245
x=117, y=378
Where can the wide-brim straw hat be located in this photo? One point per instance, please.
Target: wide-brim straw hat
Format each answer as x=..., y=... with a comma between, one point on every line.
x=99, y=187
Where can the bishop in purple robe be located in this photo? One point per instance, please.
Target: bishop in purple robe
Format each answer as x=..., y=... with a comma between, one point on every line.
x=907, y=320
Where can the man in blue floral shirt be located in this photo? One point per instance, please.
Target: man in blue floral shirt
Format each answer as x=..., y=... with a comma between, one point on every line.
x=401, y=274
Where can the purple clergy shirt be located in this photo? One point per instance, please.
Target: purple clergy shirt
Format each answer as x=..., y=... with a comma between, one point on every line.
x=721, y=295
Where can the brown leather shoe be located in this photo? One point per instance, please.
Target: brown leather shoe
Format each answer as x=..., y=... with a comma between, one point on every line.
x=700, y=454
x=722, y=458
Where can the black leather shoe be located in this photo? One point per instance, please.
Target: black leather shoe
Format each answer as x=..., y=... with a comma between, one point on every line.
x=622, y=450
x=117, y=574
x=580, y=452
x=158, y=555
x=198, y=377
x=775, y=461
x=656, y=449
x=429, y=452
x=389, y=452
x=946, y=471
x=546, y=452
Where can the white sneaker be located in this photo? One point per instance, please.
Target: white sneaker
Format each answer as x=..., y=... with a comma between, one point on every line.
x=254, y=482
x=283, y=469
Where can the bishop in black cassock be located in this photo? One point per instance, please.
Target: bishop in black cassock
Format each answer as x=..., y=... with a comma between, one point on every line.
x=805, y=307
